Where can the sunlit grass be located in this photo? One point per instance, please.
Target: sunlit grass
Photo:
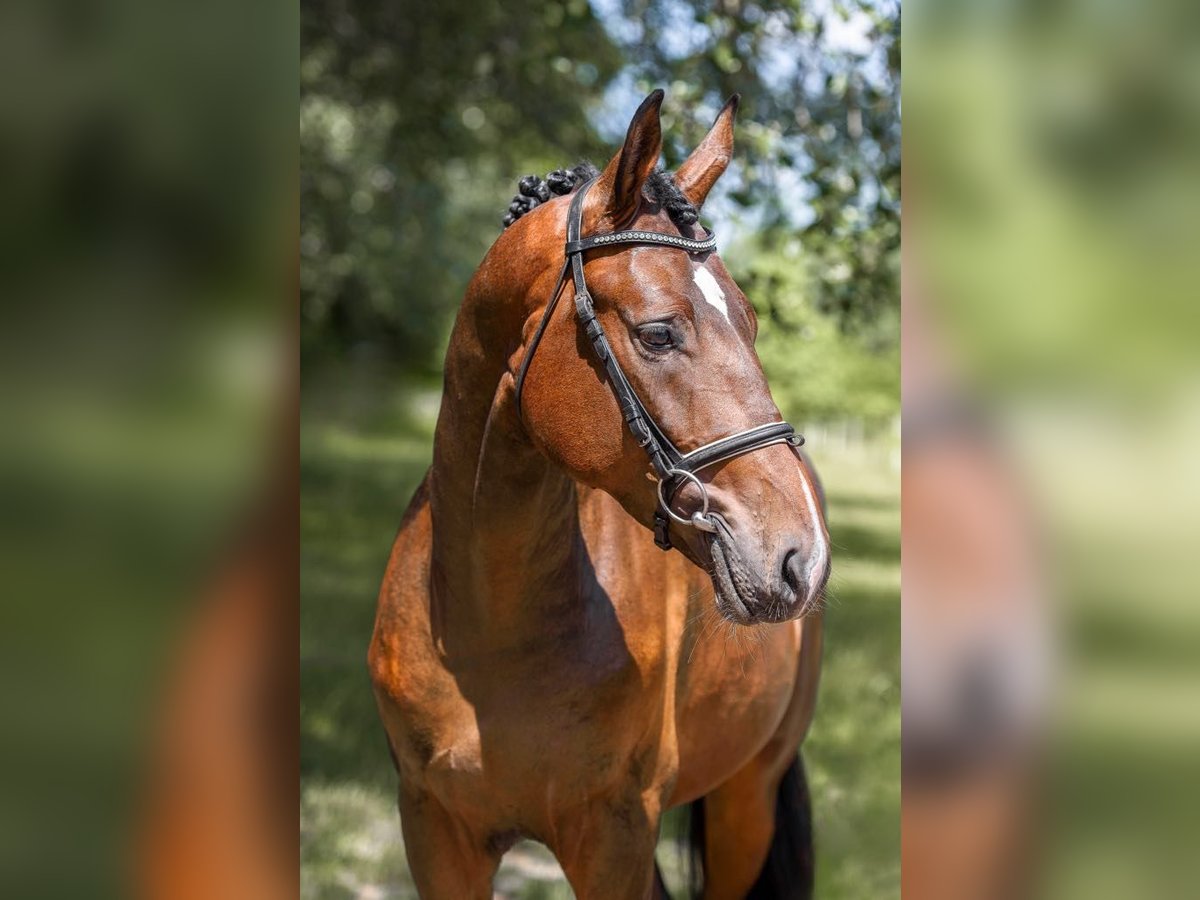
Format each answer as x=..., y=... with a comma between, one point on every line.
x=364, y=447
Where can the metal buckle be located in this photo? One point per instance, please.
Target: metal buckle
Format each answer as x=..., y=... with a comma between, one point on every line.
x=639, y=430
x=583, y=307
x=662, y=534
x=699, y=520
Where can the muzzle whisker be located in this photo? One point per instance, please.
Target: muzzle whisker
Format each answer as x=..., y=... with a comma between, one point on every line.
x=713, y=622
x=705, y=610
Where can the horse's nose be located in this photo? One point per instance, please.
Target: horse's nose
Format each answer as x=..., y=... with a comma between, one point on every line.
x=805, y=571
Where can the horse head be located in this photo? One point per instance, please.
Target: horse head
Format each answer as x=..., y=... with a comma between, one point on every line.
x=683, y=334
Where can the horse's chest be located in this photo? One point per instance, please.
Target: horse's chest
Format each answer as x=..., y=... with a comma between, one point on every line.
x=734, y=701
x=550, y=729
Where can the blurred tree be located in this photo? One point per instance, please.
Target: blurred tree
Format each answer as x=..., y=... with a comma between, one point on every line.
x=820, y=86
x=416, y=118
x=819, y=371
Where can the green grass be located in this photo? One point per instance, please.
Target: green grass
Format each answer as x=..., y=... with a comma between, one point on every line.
x=364, y=445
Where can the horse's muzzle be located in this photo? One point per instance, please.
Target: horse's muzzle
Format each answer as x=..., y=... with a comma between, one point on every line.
x=786, y=588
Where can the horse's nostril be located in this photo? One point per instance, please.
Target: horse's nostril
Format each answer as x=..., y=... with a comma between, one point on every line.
x=805, y=573
x=795, y=575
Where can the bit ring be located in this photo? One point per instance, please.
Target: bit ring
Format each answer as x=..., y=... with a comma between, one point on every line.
x=698, y=519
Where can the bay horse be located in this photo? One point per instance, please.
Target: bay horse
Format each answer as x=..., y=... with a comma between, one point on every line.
x=541, y=668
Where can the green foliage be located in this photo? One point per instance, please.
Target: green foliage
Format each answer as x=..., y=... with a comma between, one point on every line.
x=417, y=118
x=819, y=121
x=414, y=120
x=818, y=371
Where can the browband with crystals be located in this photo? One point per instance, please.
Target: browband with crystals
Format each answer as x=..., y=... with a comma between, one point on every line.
x=643, y=237
x=672, y=468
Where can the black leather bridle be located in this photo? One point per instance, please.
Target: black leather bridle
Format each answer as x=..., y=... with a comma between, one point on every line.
x=671, y=467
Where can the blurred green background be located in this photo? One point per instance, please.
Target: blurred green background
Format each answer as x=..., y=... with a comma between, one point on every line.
x=416, y=120
x=1052, y=163
x=147, y=270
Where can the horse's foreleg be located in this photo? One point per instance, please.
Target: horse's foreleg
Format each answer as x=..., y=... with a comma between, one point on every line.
x=742, y=825
x=447, y=860
x=739, y=824
x=608, y=850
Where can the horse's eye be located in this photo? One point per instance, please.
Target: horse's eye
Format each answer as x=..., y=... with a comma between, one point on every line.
x=656, y=336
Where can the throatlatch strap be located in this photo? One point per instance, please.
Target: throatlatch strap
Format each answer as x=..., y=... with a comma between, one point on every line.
x=537, y=335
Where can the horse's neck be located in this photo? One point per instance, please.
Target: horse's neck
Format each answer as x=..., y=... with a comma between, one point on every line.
x=506, y=543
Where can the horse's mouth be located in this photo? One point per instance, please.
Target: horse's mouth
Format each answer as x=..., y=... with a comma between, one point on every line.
x=732, y=587
x=738, y=593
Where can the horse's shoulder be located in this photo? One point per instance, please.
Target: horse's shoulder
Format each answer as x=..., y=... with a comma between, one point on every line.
x=418, y=505
x=403, y=595
x=408, y=565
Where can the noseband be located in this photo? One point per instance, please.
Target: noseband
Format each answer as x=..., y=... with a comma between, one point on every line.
x=672, y=468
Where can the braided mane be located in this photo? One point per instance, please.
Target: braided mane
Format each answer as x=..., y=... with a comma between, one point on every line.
x=660, y=188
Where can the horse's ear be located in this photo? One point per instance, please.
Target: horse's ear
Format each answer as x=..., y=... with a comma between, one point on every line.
x=620, y=184
x=709, y=161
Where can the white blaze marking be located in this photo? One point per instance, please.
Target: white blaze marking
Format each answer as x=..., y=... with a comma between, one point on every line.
x=820, y=545
x=711, y=290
